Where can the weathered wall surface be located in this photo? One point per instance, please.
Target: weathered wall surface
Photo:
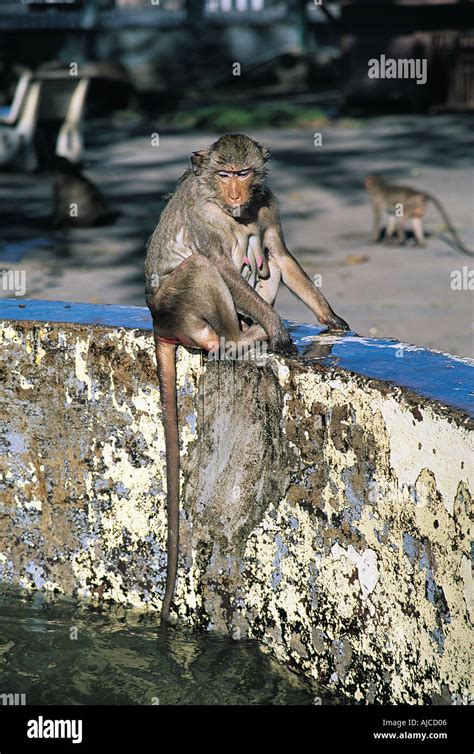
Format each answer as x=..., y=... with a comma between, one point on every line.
x=323, y=513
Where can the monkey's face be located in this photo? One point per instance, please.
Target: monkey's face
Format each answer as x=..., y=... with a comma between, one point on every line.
x=233, y=169
x=234, y=184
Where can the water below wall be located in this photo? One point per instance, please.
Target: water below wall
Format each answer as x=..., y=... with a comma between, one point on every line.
x=121, y=657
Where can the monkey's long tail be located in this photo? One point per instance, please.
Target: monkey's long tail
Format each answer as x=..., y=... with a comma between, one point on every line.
x=166, y=359
x=450, y=226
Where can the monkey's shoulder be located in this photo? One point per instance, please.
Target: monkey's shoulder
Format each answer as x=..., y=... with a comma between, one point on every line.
x=268, y=211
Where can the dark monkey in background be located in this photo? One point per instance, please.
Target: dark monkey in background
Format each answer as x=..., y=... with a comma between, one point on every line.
x=216, y=257
x=76, y=200
x=386, y=197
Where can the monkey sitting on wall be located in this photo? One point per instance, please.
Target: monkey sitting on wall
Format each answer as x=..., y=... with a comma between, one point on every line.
x=218, y=252
x=402, y=203
x=76, y=200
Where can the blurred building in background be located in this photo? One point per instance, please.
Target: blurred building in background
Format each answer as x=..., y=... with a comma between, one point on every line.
x=169, y=49
x=440, y=31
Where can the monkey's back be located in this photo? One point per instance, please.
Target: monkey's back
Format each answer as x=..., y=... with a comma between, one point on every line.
x=77, y=191
x=170, y=243
x=409, y=198
x=184, y=228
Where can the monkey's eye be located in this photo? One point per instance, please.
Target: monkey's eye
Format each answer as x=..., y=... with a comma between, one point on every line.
x=245, y=172
x=224, y=174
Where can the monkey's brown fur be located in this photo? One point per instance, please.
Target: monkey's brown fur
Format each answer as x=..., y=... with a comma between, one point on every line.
x=386, y=197
x=72, y=188
x=221, y=220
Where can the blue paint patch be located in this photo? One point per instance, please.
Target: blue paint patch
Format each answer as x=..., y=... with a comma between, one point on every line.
x=187, y=388
x=312, y=588
x=424, y=561
x=27, y=519
x=381, y=533
x=280, y=553
x=275, y=579
x=354, y=512
x=17, y=443
x=338, y=645
x=7, y=571
x=101, y=484
x=224, y=563
x=438, y=636
x=86, y=540
x=191, y=422
x=409, y=547
x=28, y=537
x=430, y=585
x=37, y=573
x=419, y=552
x=156, y=559
x=435, y=594
x=294, y=523
x=121, y=490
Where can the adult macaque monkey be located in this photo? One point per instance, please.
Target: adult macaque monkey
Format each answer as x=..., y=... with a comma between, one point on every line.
x=412, y=203
x=218, y=252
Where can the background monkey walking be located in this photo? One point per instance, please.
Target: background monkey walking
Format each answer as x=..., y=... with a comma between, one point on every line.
x=221, y=221
x=386, y=197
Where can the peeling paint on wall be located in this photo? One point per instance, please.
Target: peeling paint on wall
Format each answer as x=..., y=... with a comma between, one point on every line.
x=323, y=513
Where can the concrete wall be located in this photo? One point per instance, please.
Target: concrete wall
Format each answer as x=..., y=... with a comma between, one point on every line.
x=324, y=513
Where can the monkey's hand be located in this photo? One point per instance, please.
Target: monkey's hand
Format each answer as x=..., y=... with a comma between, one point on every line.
x=280, y=342
x=336, y=323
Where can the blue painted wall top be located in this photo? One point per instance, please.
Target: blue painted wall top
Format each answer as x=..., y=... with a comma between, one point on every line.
x=431, y=374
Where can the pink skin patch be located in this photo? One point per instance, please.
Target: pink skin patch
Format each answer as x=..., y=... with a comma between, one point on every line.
x=259, y=262
x=246, y=260
x=173, y=341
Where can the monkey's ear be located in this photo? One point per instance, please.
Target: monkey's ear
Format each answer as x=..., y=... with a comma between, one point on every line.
x=197, y=160
x=265, y=154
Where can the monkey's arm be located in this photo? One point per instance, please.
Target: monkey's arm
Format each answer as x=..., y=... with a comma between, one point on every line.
x=248, y=302
x=296, y=279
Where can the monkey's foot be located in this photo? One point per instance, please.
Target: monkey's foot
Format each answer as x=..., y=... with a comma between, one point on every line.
x=283, y=344
x=336, y=323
